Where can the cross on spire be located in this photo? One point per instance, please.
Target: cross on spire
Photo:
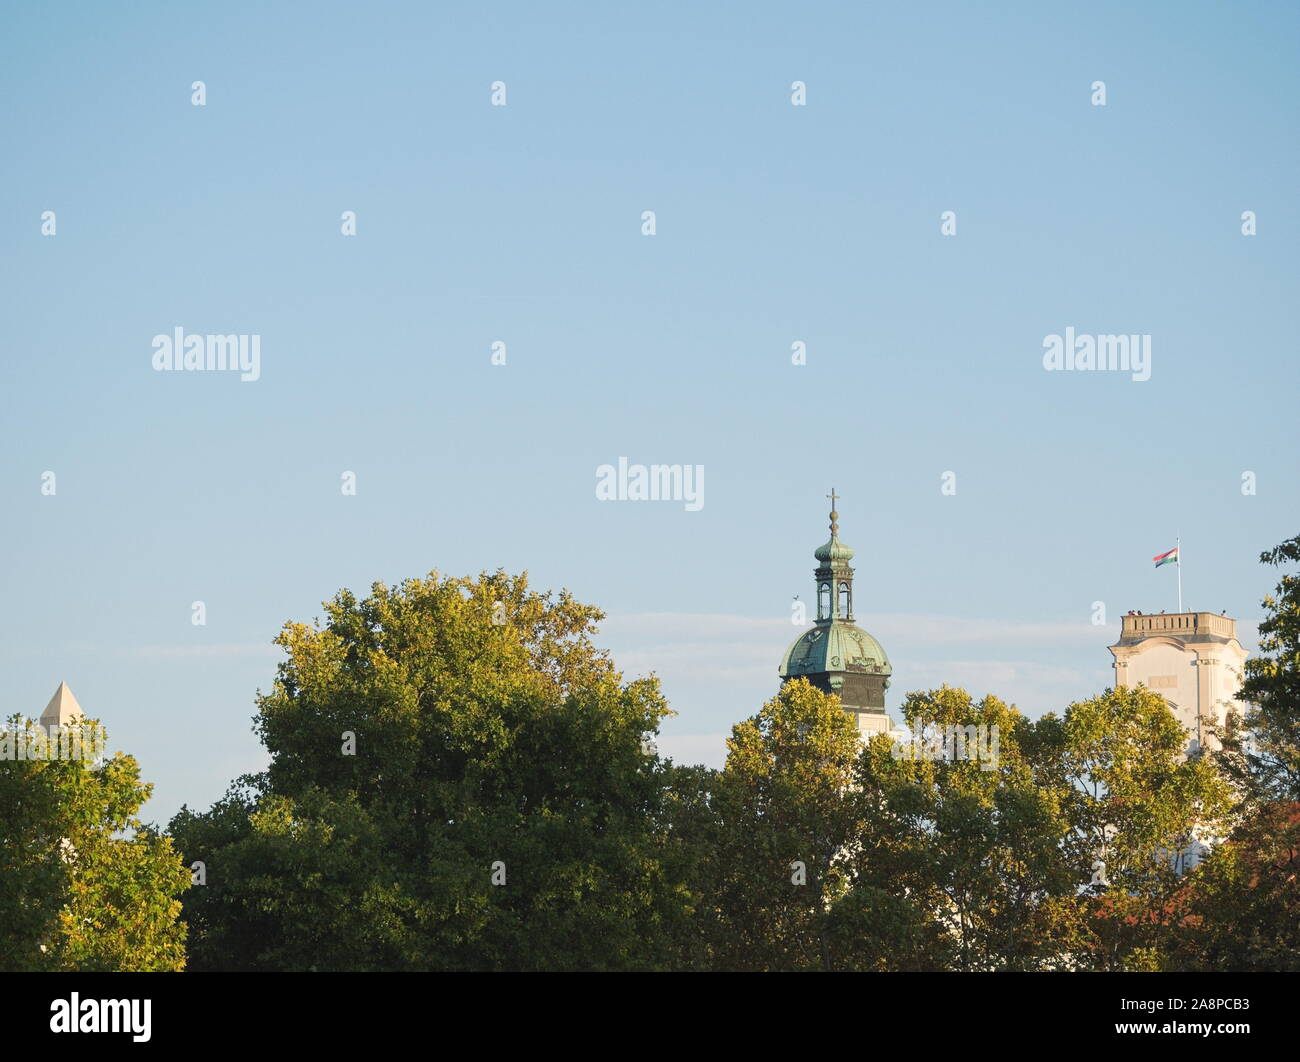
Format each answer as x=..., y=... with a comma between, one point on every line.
x=835, y=523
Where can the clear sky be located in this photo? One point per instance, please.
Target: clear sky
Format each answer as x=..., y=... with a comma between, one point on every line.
x=523, y=224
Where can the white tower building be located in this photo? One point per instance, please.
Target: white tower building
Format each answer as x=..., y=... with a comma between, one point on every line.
x=1192, y=659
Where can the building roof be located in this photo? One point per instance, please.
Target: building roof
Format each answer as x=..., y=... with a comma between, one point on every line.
x=834, y=550
x=835, y=646
x=62, y=709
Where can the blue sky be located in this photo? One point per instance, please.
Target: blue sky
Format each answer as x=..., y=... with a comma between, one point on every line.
x=522, y=223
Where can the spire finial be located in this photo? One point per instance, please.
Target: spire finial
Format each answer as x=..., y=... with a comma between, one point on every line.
x=835, y=520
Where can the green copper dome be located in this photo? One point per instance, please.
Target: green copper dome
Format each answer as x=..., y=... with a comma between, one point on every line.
x=835, y=646
x=834, y=550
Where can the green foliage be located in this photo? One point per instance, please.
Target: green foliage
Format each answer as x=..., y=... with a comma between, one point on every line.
x=975, y=841
x=488, y=731
x=1240, y=909
x=83, y=884
x=1134, y=804
x=1265, y=752
x=785, y=817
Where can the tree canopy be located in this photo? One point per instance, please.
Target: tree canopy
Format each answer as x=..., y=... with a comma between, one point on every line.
x=460, y=779
x=84, y=885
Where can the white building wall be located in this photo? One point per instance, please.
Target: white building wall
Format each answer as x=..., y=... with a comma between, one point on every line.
x=1170, y=672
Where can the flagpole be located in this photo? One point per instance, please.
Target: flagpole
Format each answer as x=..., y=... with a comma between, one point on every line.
x=1178, y=545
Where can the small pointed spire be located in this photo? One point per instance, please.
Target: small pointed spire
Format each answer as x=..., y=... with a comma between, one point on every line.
x=62, y=709
x=835, y=517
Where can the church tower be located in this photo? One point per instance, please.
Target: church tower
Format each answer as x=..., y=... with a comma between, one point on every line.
x=837, y=656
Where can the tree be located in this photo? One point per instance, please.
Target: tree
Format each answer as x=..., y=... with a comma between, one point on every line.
x=84, y=885
x=1264, y=752
x=696, y=857
x=1240, y=908
x=1134, y=802
x=458, y=780
x=786, y=816
x=957, y=822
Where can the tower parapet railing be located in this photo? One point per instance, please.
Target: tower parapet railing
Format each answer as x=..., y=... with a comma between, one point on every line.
x=1141, y=625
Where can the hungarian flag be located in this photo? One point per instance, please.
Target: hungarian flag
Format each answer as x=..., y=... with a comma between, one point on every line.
x=1167, y=558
